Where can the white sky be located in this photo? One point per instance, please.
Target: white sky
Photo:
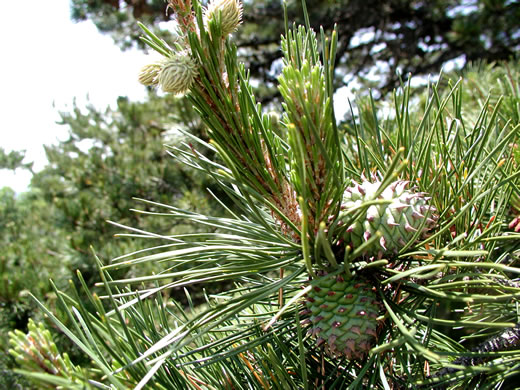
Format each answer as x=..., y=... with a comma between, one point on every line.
x=47, y=61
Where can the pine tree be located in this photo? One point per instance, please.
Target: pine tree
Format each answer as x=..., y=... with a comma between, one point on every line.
x=379, y=41
x=32, y=252
x=48, y=230
x=376, y=257
x=110, y=158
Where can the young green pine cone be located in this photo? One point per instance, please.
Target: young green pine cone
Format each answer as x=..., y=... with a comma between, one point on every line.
x=149, y=74
x=36, y=351
x=177, y=73
x=343, y=315
x=398, y=221
x=230, y=17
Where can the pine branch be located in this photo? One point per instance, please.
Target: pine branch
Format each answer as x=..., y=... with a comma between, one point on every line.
x=504, y=341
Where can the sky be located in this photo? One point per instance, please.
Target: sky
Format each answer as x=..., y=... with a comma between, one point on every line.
x=47, y=62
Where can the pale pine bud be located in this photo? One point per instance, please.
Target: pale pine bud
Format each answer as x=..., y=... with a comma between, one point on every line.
x=177, y=73
x=36, y=351
x=231, y=14
x=149, y=74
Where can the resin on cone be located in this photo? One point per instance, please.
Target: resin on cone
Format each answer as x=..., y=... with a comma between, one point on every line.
x=343, y=315
x=398, y=221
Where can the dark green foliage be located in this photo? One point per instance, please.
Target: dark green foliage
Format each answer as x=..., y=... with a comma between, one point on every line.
x=32, y=250
x=110, y=158
x=13, y=160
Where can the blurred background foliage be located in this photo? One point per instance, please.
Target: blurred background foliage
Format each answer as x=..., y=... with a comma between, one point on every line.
x=377, y=40
x=115, y=155
x=110, y=157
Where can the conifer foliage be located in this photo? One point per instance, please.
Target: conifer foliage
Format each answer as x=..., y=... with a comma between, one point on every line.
x=377, y=257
